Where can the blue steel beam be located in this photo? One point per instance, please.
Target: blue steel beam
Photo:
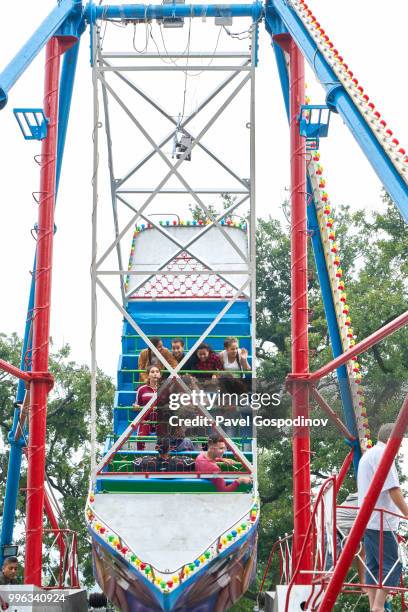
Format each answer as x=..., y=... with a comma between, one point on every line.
x=16, y=448
x=64, y=10
x=332, y=325
x=65, y=96
x=339, y=100
x=318, y=252
x=158, y=11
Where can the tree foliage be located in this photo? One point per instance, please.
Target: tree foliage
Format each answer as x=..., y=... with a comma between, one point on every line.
x=68, y=435
x=373, y=249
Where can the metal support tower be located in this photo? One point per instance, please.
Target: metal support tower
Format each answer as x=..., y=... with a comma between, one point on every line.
x=112, y=69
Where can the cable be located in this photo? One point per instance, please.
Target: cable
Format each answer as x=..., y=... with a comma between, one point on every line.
x=146, y=39
x=185, y=73
x=246, y=33
x=186, y=48
x=196, y=74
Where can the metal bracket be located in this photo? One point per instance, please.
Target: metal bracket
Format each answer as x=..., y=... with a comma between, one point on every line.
x=314, y=122
x=32, y=122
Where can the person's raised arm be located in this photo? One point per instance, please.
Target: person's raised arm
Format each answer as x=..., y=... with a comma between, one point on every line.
x=397, y=497
x=244, y=359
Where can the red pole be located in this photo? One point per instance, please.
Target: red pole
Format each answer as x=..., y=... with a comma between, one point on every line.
x=299, y=318
x=362, y=346
x=363, y=516
x=39, y=386
x=343, y=471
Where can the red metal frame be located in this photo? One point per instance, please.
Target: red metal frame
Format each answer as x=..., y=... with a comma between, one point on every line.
x=14, y=371
x=335, y=585
x=319, y=574
x=299, y=317
x=361, y=347
x=72, y=570
x=39, y=387
x=319, y=399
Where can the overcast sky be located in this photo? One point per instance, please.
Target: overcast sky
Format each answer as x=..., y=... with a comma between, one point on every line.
x=372, y=41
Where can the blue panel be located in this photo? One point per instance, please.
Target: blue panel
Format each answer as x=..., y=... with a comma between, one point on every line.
x=179, y=318
x=187, y=317
x=339, y=100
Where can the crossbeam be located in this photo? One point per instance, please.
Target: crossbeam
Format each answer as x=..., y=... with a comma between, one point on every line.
x=152, y=11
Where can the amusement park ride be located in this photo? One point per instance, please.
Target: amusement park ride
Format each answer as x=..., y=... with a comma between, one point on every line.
x=195, y=280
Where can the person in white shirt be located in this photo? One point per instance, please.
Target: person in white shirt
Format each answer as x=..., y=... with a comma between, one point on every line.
x=234, y=358
x=392, y=500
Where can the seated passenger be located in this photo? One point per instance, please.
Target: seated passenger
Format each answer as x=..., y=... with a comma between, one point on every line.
x=234, y=358
x=144, y=394
x=167, y=463
x=147, y=358
x=180, y=442
x=206, y=359
x=177, y=350
x=208, y=462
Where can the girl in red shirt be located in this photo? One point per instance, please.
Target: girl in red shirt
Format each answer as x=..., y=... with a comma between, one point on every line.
x=144, y=394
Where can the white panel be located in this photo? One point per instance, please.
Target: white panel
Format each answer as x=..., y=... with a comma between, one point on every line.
x=152, y=249
x=170, y=530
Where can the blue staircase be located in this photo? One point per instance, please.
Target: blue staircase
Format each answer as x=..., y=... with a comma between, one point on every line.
x=169, y=319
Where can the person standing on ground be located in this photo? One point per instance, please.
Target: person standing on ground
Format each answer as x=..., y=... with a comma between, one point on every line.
x=392, y=500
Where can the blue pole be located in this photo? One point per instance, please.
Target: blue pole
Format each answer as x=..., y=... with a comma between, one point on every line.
x=65, y=96
x=33, y=46
x=158, y=11
x=16, y=448
x=332, y=325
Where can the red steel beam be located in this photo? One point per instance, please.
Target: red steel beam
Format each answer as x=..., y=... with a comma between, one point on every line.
x=340, y=571
x=301, y=555
x=39, y=386
x=361, y=347
x=14, y=371
x=343, y=470
x=319, y=399
x=54, y=523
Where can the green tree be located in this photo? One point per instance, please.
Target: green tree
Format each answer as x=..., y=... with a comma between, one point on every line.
x=68, y=456
x=373, y=250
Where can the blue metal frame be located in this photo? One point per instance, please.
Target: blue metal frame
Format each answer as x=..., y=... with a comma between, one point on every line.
x=67, y=20
x=311, y=127
x=332, y=325
x=340, y=101
x=35, y=43
x=16, y=448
